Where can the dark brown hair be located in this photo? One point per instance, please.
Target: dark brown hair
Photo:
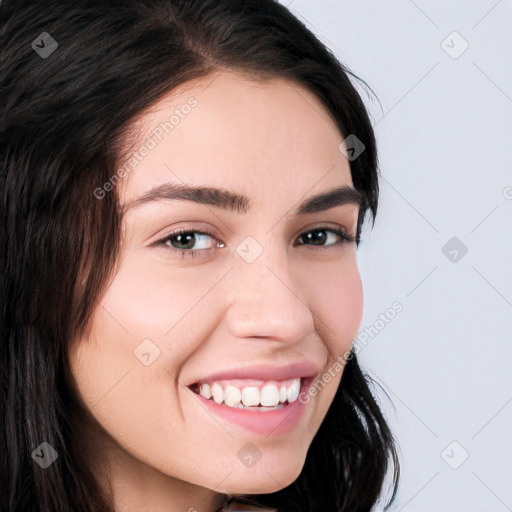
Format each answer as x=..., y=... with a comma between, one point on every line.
x=63, y=120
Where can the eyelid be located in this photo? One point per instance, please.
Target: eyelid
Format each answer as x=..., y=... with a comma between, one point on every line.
x=184, y=254
x=179, y=231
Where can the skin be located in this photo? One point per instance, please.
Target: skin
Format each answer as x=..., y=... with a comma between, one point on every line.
x=153, y=446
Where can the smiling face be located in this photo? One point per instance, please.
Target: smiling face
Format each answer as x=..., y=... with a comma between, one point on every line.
x=271, y=285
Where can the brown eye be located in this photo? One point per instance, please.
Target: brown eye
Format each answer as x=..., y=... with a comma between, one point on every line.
x=183, y=243
x=319, y=236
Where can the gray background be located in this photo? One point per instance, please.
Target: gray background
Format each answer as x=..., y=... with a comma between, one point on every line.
x=444, y=133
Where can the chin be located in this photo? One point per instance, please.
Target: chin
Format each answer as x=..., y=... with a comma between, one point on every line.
x=265, y=480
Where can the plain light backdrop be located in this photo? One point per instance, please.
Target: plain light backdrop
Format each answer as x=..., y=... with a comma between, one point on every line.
x=441, y=245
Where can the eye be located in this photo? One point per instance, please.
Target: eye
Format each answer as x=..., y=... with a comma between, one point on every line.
x=183, y=242
x=182, y=239
x=312, y=236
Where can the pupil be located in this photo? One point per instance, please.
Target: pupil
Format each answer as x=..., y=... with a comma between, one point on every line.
x=183, y=236
x=315, y=238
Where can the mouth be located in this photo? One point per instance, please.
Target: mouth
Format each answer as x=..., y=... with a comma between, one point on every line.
x=252, y=394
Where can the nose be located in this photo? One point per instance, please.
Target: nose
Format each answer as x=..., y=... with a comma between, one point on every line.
x=267, y=300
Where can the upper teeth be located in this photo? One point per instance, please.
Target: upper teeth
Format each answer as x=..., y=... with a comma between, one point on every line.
x=269, y=395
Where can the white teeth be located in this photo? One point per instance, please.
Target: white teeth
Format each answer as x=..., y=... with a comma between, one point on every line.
x=232, y=395
x=251, y=396
x=205, y=390
x=293, y=391
x=218, y=393
x=270, y=395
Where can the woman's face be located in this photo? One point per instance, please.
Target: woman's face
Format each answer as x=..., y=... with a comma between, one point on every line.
x=270, y=293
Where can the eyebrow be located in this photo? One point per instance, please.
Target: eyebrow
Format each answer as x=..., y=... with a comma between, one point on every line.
x=232, y=201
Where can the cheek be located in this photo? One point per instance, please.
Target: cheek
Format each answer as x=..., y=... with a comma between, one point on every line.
x=337, y=301
x=141, y=300
x=150, y=308
x=152, y=299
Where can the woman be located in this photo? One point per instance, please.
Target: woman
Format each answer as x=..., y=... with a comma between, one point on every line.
x=183, y=189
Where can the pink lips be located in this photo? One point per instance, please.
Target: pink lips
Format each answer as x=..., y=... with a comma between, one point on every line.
x=304, y=368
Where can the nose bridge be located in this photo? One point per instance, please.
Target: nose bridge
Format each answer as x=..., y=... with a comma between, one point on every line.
x=265, y=300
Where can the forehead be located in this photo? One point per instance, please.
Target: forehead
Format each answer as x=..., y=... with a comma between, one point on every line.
x=226, y=128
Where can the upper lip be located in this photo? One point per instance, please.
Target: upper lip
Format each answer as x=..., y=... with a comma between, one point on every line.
x=299, y=369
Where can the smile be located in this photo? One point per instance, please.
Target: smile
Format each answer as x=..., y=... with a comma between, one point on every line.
x=250, y=393
x=227, y=398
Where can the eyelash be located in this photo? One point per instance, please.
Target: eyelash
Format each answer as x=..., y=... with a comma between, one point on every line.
x=193, y=253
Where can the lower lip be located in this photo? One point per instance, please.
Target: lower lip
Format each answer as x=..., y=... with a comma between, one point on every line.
x=265, y=423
